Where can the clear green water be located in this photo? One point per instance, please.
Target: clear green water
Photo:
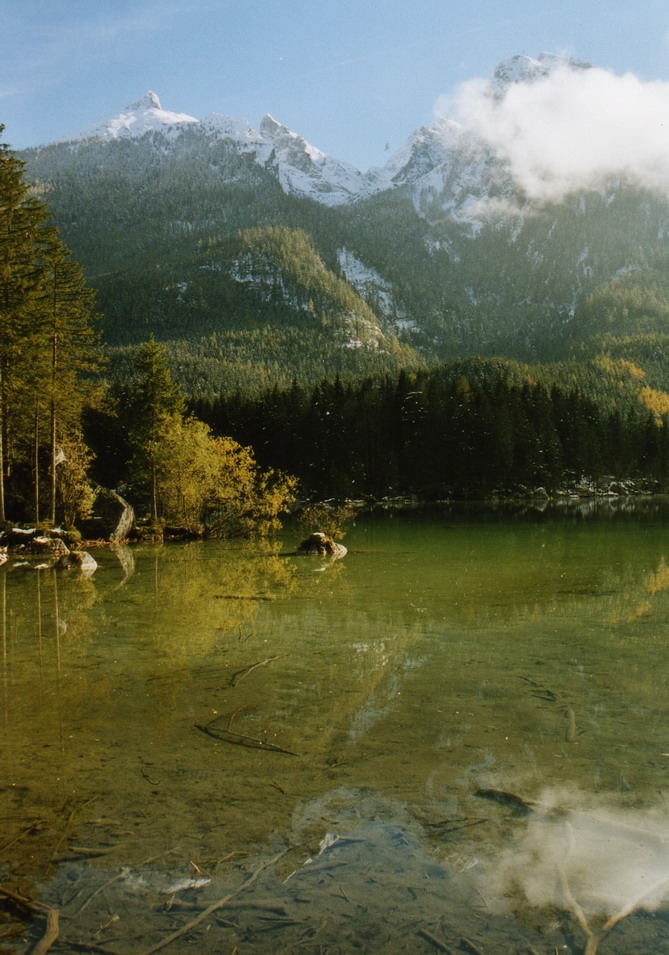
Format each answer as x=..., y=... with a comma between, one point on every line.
x=172, y=723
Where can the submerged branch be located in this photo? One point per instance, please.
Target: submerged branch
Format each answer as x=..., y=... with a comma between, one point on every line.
x=244, y=672
x=34, y=907
x=240, y=739
x=119, y=875
x=635, y=903
x=215, y=906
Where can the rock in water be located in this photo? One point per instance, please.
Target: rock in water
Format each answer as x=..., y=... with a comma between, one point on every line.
x=78, y=560
x=319, y=544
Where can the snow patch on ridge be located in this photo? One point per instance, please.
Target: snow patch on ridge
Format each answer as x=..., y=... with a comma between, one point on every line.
x=237, y=131
x=426, y=149
x=463, y=171
x=373, y=288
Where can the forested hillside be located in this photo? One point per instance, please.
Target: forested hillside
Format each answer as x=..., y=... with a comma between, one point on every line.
x=188, y=236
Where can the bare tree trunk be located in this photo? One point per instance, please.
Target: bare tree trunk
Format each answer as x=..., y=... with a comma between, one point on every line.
x=154, y=494
x=52, y=470
x=36, y=487
x=52, y=441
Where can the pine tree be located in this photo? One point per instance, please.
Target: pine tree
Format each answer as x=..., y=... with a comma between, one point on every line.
x=72, y=348
x=47, y=341
x=21, y=220
x=154, y=401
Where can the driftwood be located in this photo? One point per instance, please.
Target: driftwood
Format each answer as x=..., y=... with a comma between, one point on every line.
x=433, y=940
x=522, y=806
x=594, y=938
x=32, y=826
x=119, y=875
x=525, y=806
x=516, y=804
x=229, y=735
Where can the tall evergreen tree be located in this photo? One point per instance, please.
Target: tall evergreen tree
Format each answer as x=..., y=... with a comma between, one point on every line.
x=72, y=347
x=21, y=220
x=153, y=402
x=47, y=341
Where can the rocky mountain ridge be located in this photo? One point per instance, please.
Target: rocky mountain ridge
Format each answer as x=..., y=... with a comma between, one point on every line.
x=301, y=168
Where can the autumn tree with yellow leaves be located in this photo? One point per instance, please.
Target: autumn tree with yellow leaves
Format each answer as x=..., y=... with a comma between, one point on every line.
x=185, y=474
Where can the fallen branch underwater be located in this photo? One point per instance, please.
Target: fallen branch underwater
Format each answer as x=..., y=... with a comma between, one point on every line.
x=52, y=928
x=594, y=938
x=244, y=672
x=216, y=905
x=240, y=739
x=521, y=806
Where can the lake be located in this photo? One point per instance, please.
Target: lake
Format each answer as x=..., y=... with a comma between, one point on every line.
x=454, y=739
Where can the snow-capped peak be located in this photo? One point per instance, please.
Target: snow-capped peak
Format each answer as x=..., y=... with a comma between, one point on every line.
x=443, y=156
x=141, y=117
x=526, y=69
x=305, y=170
x=148, y=101
x=426, y=148
x=289, y=144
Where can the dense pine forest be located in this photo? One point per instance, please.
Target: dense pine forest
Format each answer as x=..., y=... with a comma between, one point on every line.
x=462, y=430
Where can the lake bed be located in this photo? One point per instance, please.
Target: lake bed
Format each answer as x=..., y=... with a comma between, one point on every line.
x=456, y=736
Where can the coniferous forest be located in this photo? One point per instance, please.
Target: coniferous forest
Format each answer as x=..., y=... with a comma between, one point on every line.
x=444, y=433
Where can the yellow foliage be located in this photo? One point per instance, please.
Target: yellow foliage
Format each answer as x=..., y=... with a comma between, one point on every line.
x=620, y=366
x=203, y=477
x=655, y=401
x=658, y=581
x=74, y=492
x=631, y=368
x=638, y=612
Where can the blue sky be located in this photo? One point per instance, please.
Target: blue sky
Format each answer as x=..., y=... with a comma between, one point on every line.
x=354, y=77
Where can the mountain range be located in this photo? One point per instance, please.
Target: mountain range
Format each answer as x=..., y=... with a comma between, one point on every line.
x=258, y=259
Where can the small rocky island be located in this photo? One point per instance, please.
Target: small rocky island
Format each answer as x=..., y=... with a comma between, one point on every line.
x=319, y=544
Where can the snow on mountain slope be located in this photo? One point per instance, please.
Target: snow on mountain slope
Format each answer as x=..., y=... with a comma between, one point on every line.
x=146, y=115
x=444, y=166
x=526, y=69
x=373, y=288
x=424, y=150
x=306, y=171
x=236, y=131
x=300, y=168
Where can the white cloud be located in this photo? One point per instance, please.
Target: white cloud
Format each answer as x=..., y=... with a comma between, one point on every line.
x=572, y=129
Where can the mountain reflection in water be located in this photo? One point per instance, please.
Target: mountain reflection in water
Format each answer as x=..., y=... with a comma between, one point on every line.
x=350, y=716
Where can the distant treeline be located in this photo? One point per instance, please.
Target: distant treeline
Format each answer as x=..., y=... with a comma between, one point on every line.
x=434, y=434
